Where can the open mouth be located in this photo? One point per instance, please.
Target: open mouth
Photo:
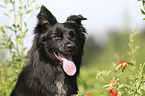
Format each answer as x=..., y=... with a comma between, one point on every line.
x=68, y=65
x=58, y=56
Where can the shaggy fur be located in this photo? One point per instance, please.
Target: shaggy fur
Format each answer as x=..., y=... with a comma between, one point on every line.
x=44, y=74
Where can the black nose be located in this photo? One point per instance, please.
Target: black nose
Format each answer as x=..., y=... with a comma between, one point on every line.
x=70, y=47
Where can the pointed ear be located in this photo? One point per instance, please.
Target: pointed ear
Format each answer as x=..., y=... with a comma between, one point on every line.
x=76, y=18
x=45, y=16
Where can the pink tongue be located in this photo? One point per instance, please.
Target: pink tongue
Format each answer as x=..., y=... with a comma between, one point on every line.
x=69, y=66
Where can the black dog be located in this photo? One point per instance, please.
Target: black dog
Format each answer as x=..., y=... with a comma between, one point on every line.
x=55, y=57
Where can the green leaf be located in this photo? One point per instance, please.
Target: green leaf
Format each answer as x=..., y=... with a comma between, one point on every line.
x=6, y=14
x=37, y=7
x=25, y=48
x=20, y=8
x=10, y=28
x=18, y=41
x=18, y=25
x=6, y=1
x=123, y=69
x=14, y=25
x=3, y=43
x=16, y=16
x=25, y=32
x=130, y=64
x=3, y=39
x=142, y=12
x=28, y=5
x=25, y=7
x=11, y=10
x=25, y=24
x=9, y=39
x=28, y=11
x=11, y=44
x=2, y=6
x=143, y=18
x=32, y=1
x=10, y=1
x=137, y=84
x=143, y=2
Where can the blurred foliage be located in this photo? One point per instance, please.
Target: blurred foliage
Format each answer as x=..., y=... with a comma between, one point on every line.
x=143, y=10
x=114, y=51
x=91, y=49
x=131, y=83
x=12, y=37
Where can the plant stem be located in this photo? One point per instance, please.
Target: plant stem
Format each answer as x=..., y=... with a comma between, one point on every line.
x=132, y=47
x=21, y=34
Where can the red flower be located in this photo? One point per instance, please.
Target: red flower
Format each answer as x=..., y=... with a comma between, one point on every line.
x=112, y=81
x=113, y=92
x=122, y=63
x=88, y=94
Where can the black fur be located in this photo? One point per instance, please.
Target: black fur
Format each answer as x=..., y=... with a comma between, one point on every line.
x=44, y=75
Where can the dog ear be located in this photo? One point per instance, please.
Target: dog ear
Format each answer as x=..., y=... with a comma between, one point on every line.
x=76, y=18
x=46, y=17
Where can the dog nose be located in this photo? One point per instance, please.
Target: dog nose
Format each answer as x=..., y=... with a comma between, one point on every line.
x=70, y=47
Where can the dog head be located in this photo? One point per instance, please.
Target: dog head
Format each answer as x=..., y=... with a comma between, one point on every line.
x=63, y=40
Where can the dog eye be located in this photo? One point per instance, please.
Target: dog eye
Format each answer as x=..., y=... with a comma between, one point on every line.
x=74, y=37
x=57, y=37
